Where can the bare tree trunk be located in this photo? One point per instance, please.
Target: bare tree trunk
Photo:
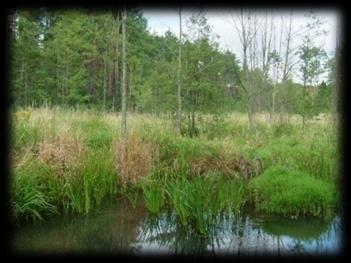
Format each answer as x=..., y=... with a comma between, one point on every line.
x=105, y=82
x=117, y=93
x=249, y=114
x=129, y=89
x=124, y=97
x=109, y=78
x=272, y=111
x=23, y=78
x=66, y=91
x=288, y=49
x=58, y=82
x=179, y=73
x=304, y=104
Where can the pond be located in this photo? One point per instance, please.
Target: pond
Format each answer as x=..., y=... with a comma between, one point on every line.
x=121, y=228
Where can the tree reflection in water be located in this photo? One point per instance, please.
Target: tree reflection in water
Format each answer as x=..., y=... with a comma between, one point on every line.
x=124, y=228
x=230, y=235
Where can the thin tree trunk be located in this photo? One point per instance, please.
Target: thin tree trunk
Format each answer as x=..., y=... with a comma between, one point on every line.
x=273, y=102
x=179, y=72
x=249, y=114
x=304, y=104
x=105, y=82
x=110, y=82
x=67, y=87
x=124, y=102
x=57, y=82
x=287, y=51
x=117, y=84
x=24, y=82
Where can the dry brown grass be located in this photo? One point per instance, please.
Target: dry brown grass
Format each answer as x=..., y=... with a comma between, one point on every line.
x=63, y=153
x=134, y=158
x=230, y=166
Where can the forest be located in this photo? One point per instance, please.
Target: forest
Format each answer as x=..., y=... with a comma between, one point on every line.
x=101, y=107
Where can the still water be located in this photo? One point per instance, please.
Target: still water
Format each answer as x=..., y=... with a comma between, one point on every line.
x=119, y=227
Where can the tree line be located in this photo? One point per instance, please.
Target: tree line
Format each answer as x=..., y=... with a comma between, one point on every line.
x=75, y=58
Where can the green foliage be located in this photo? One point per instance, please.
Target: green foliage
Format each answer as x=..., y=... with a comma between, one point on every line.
x=231, y=194
x=98, y=133
x=293, y=193
x=23, y=134
x=98, y=179
x=191, y=200
x=72, y=57
x=153, y=194
x=29, y=199
x=319, y=157
x=214, y=126
x=322, y=100
x=198, y=201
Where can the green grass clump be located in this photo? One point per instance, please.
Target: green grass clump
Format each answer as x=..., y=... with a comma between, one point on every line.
x=24, y=134
x=153, y=195
x=95, y=180
x=319, y=158
x=198, y=201
x=98, y=133
x=292, y=193
x=231, y=194
x=30, y=199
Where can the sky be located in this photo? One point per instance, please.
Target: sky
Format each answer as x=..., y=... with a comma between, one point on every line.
x=221, y=21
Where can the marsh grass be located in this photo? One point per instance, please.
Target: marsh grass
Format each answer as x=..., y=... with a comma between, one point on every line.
x=198, y=201
x=98, y=133
x=153, y=194
x=29, y=200
x=66, y=160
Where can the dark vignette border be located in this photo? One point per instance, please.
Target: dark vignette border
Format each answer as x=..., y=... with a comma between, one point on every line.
x=338, y=6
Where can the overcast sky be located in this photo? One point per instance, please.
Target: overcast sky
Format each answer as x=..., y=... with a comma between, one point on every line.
x=221, y=21
x=161, y=20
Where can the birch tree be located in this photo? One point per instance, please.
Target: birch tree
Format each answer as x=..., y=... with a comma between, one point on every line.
x=246, y=31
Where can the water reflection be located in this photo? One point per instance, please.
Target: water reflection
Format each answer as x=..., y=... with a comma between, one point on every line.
x=121, y=228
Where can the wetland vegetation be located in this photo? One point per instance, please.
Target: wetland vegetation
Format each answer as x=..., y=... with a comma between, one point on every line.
x=194, y=142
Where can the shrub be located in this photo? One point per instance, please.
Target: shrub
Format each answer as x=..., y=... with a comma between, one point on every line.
x=282, y=191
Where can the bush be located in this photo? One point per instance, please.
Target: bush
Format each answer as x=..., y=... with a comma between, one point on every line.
x=294, y=193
